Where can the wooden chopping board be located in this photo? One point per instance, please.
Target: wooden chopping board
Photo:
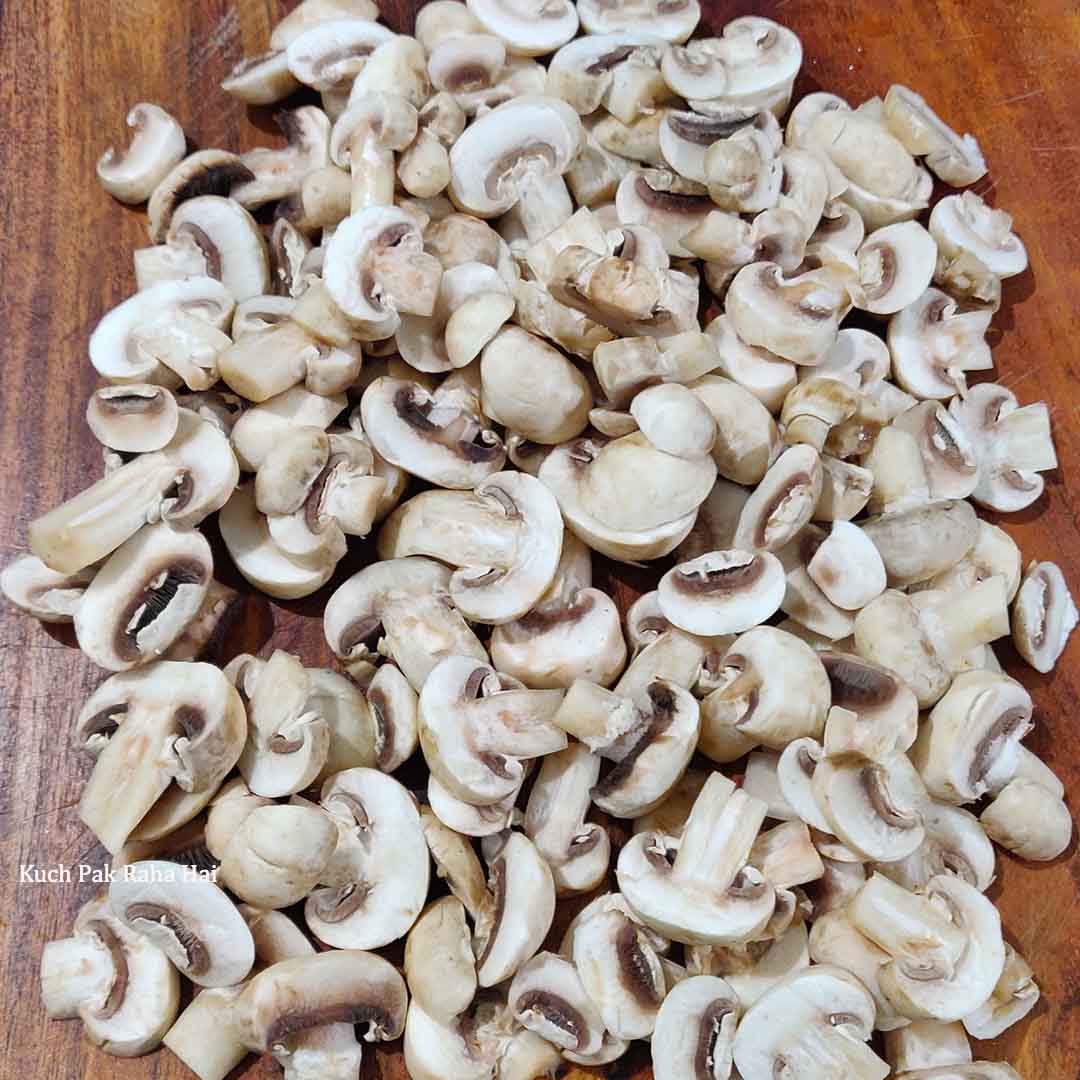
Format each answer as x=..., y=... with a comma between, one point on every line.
x=1008, y=70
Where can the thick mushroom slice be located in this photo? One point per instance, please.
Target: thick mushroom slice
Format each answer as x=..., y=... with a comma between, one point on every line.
x=328, y=55
x=295, y=995
x=783, y=503
x=261, y=80
x=165, y=735
x=547, y=997
x=476, y=727
x=188, y=917
x=753, y=968
x=948, y=455
x=279, y=173
x=1014, y=996
x=723, y=592
x=403, y=607
x=148, y=591
x=133, y=419
x=812, y=1023
x=896, y=266
x=528, y=28
x=922, y=541
x=956, y=160
x=470, y=820
x=506, y=536
x=695, y=1030
x=121, y=986
x=588, y=72
x=967, y=229
x=157, y=146
x=577, y=851
x=886, y=710
x=674, y=21
x=439, y=963
x=206, y=172
x=927, y=1044
x=377, y=879
x=1044, y=616
x=699, y=889
x=28, y=584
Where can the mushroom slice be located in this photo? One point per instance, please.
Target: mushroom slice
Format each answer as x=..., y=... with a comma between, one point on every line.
x=523, y=906
x=527, y=27
x=445, y=1048
x=28, y=584
x=887, y=711
x=934, y=342
x=328, y=55
x=795, y=318
x=439, y=963
x=157, y=146
x=782, y=503
x=515, y=156
x=896, y=266
x=179, y=729
x=810, y=1023
x=707, y=893
x=133, y=419
x=948, y=455
x=233, y=802
x=922, y=542
x=751, y=969
x=476, y=727
x=1013, y=445
x=1029, y=820
x=970, y=743
x=279, y=173
x=956, y=160
x=762, y=373
x=407, y=601
x=143, y=598
x=188, y=917
x=261, y=80
x=120, y=985
x=278, y=854
x=295, y=995
x=928, y=1044
x=966, y=228
x=377, y=879
x=665, y=203
x=626, y=367
x=457, y=863
x=432, y=436
x=1044, y=616
x=585, y=72
x=847, y=567
x=507, y=539
x=577, y=852
x=206, y=172
x=795, y=771
x=670, y=21
x=695, y=1030
x=547, y=997
x=1014, y=996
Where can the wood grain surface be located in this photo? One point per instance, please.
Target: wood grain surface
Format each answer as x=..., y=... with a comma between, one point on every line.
x=1008, y=70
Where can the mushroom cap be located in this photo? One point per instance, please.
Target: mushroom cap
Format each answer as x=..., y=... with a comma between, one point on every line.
x=695, y=1029
x=377, y=879
x=328, y=54
x=157, y=146
x=896, y=266
x=783, y=503
x=492, y=158
x=205, y=172
x=670, y=21
x=528, y=27
x=145, y=595
x=581, y=72
x=1029, y=820
x=924, y=541
x=447, y=988
x=656, y=199
x=469, y=820
x=341, y=986
x=134, y=418
x=847, y=567
x=674, y=420
x=186, y=916
x=950, y=460
x=261, y=80
x=722, y=592
x=547, y=997
x=28, y=584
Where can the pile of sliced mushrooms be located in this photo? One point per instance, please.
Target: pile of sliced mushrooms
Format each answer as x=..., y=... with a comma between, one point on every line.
x=469, y=328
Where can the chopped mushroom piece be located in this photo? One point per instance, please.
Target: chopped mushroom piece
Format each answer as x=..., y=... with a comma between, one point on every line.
x=547, y=997
x=927, y=1044
x=965, y=227
x=157, y=146
x=695, y=1030
x=528, y=27
x=1044, y=616
x=1014, y=996
x=956, y=160
x=1029, y=820
x=47, y=595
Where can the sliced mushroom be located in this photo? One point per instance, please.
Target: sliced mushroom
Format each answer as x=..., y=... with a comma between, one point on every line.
x=529, y=29
x=672, y=22
x=279, y=173
x=886, y=709
x=328, y=55
x=751, y=969
x=927, y=1044
x=439, y=963
x=470, y=820
x=547, y=997
x=134, y=419
x=157, y=146
x=29, y=585
x=587, y=73
x=783, y=502
x=956, y=160
x=1029, y=820
x=122, y=988
x=896, y=266
x=1014, y=996
x=1044, y=616
x=847, y=567
x=762, y=373
x=628, y=366
x=261, y=80
x=205, y=172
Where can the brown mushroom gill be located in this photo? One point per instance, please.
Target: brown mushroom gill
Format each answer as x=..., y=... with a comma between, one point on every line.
x=704, y=130
x=709, y=1029
x=215, y=180
x=337, y=905
x=635, y=971
x=941, y=439
x=381, y=715
x=661, y=714
x=857, y=686
x=297, y=1020
x=874, y=781
x=465, y=436
x=609, y=60
x=104, y=723
x=150, y=602
x=671, y=202
x=498, y=893
x=468, y=78
x=209, y=250
x=118, y=987
x=727, y=579
x=130, y=404
x=542, y=619
x=357, y=51
x=196, y=954
x=1003, y=728
x=797, y=489
x=556, y=1011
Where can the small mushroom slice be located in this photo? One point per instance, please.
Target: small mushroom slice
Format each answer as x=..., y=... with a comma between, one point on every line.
x=309, y=13
x=277, y=855
x=29, y=585
x=261, y=80
x=927, y=1045
x=188, y=917
x=205, y=172
x=886, y=710
x=847, y=567
x=762, y=373
x=707, y=894
x=896, y=266
x=752, y=968
x=966, y=229
x=669, y=21
x=328, y=55
x=946, y=946
x=476, y=727
x=577, y=852
x=956, y=160
x=1029, y=820
x=445, y=1048
x=695, y=1030
x=629, y=366
x=743, y=172
x=506, y=537
x=948, y=455
x=377, y=879
x=122, y=988
x=260, y=427
x=279, y=172
x=1044, y=616
x=439, y=963
x=1013, y=445
x=934, y=342
x=1014, y=996
x=970, y=743
x=157, y=146
x=523, y=906
x=528, y=28
x=811, y=1023
x=228, y=810
x=783, y=503
x=723, y=592
x=585, y=72
x=547, y=997
x=660, y=200
x=165, y=736
x=132, y=419
x=347, y=986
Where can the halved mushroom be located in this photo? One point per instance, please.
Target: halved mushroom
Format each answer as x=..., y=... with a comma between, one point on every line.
x=956, y=160
x=205, y=172
x=188, y=917
x=970, y=743
x=278, y=854
x=144, y=596
x=673, y=21
x=377, y=878
x=476, y=727
x=528, y=28
x=439, y=963
x=157, y=146
x=762, y=373
x=1044, y=615
x=813, y=1022
x=120, y=985
x=782, y=503
x=1014, y=996
x=896, y=266
x=346, y=986
x=133, y=419
x=515, y=156
x=934, y=341
x=547, y=997
x=1029, y=820
x=231, y=804
x=948, y=455
x=168, y=734
x=706, y=894
x=1013, y=445
x=441, y=436
x=278, y=173
x=407, y=602
x=31, y=586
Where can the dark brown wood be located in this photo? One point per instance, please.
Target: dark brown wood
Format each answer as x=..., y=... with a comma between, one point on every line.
x=1009, y=70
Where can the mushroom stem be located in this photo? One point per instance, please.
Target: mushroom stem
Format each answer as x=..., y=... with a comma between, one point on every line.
x=204, y=1038
x=719, y=834
x=544, y=203
x=74, y=971
x=372, y=167
x=972, y=618
x=1025, y=440
x=595, y=716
